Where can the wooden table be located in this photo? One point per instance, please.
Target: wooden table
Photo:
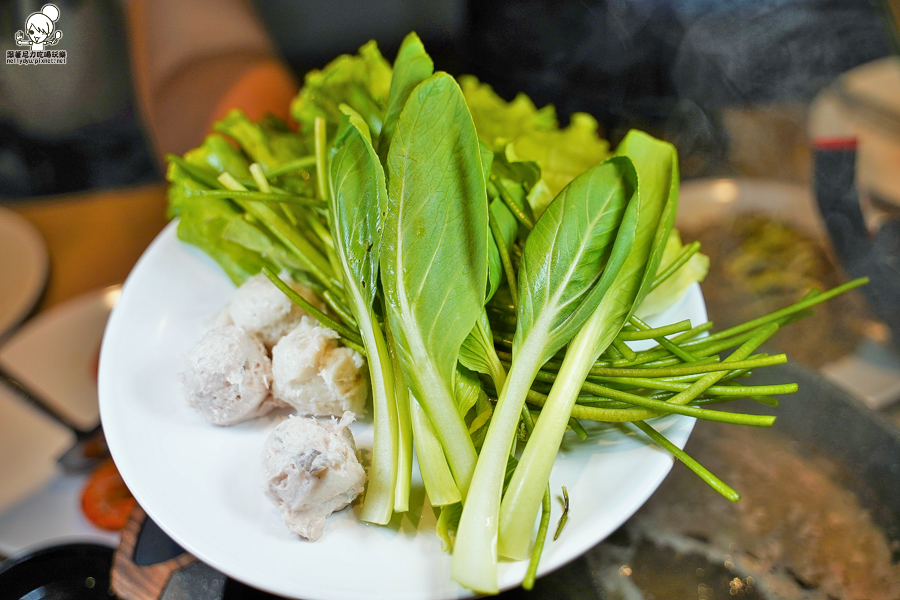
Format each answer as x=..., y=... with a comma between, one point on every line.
x=94, y=238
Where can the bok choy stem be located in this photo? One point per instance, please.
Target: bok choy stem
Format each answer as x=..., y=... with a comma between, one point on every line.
x=404, y=432
x=562, y=271
x=378, y=505
x=355, y=188
x=439, y=482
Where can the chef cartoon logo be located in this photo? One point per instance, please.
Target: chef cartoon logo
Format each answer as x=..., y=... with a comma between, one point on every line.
x=40, y=32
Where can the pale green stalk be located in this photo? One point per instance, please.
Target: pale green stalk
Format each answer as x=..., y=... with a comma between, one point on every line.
x=260, y=178
x=439, y=483
x=321, y=158
x=378, y=505
x=294, y=165
x=323, y=180
x=475, y=558
x=315, y=263
x=434, y=257
x=354, y=187
x=515, y=527
x=404, y=433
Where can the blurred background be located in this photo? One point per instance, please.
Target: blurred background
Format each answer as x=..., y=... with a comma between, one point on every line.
x=786, y=117
x=698, y=72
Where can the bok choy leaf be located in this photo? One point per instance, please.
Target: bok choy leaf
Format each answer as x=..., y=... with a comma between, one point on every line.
x=434, y=254
x=573, y=254
x=358, y=199
x=411, y=67
x=657, y=169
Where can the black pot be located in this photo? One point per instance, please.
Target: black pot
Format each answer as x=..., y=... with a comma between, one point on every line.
x=64, y=572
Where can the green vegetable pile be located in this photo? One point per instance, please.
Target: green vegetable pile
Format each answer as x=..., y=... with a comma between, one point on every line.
x=490, y=265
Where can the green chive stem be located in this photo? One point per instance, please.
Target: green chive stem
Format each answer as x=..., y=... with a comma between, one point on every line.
x=505, y=260
x=664, y=342
x=637, y=333
x=704, y=473
x=495, y=185
x=294, y=165
x=623, y=349
x=685, y=255
x=351, y=338
x=528, y=582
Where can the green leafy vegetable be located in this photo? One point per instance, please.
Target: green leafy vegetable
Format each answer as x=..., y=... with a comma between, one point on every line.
x=434, y=258
x=656, y=165
x=454, y=235
x=521, y=132
x=411, y=67
x=266, y=143
x=204, y=224
x=361, y=82
x=570, y=258
x=562, y=154
x=499, y=122
x=358, y=200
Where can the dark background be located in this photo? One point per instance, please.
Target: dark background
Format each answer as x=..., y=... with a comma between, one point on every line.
x=668, y=66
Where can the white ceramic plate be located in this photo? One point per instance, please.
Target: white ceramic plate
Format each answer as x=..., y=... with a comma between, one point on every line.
x=23, y=268
x=202, y=483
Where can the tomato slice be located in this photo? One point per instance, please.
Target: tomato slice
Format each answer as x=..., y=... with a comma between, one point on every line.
x=106, y=500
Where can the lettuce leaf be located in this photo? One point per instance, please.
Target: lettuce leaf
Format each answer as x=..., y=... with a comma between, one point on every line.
x=497, y=121
x=521, y=132
x=203, y=224
x=562, y=154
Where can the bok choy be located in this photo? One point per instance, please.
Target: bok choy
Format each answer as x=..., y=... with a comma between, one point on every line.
x=434, y=256
x=358, y=201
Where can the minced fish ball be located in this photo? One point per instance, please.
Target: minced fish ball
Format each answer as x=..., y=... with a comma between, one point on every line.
x=315, y=375
x=228, y=377
x=262, y=309
x=311, y=470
